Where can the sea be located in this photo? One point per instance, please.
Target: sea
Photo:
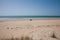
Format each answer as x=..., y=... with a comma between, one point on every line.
x=29, y=16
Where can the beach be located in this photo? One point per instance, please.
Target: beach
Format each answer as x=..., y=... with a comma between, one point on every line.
x=29, y=27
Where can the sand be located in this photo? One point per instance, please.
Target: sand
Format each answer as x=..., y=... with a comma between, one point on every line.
x=35, y=27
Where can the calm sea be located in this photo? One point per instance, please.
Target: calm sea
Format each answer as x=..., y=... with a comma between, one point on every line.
x=29, y=16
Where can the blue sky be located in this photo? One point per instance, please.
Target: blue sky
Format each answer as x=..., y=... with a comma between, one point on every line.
x=29, y=7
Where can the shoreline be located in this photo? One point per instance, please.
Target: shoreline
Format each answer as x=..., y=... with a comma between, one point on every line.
x=27, y=19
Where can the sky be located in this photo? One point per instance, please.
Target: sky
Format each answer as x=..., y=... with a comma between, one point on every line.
x=29, y=7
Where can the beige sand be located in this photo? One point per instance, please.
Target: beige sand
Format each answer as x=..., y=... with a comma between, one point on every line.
x=26, y=27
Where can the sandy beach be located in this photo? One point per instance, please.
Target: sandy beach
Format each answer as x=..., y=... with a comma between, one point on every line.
x=30, y=27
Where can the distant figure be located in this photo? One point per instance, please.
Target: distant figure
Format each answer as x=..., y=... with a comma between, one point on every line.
x=30, y=19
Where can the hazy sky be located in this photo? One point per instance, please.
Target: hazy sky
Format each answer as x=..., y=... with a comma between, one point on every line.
x=29, y=7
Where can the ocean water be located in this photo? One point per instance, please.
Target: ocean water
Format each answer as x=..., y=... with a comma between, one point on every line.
x=29, y=16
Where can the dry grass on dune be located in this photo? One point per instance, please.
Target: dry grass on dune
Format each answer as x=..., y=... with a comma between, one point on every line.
x=22, y=38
